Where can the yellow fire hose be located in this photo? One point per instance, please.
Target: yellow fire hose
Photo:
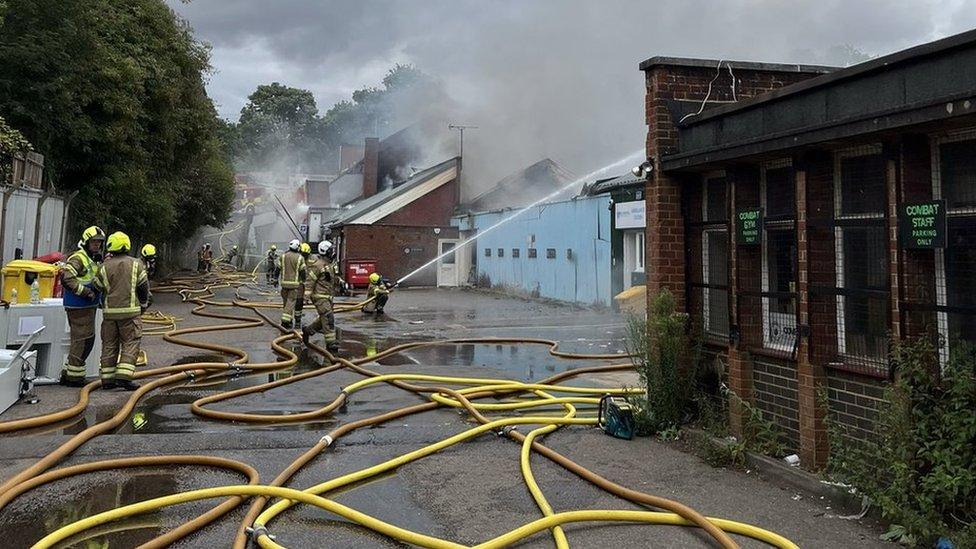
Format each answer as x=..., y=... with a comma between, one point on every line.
x=513, y=394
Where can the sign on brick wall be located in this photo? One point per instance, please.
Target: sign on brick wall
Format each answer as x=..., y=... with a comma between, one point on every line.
x=748, y=224
x=922, y=224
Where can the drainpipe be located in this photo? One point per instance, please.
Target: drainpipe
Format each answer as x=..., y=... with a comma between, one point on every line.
x=64, y=218
x=3, y=224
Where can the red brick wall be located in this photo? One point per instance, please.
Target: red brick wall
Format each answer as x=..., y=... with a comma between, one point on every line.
x=665, y=225
x=386, y=244
x=433, y=209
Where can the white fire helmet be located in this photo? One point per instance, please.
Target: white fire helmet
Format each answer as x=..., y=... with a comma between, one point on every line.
x=324, y=247
x=294, y=244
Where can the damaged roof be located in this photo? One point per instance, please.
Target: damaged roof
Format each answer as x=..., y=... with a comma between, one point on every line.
x=523, y=187
x=376, y=207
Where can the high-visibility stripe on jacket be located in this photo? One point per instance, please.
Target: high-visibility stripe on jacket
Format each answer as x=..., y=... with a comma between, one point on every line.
x=322, y=278
x=79, y=270
x=293, y=270
x=122, y=278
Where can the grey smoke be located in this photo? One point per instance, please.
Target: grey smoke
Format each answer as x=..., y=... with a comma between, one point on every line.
x=543, y=78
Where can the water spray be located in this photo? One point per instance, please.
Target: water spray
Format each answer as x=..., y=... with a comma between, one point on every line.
x=637, y=155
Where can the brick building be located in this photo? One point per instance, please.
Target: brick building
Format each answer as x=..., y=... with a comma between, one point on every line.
x=404, y=226
x=774, y=215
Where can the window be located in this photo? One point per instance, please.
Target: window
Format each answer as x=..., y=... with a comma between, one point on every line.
x=550, y=253
x=715, y=256
x=954, y=180
x=487, y=252
x=778, y=196
x=861, y=254
x=515, y=253
x=639, y=252
x=533, y=253
x=501, y=252
x=447, y=248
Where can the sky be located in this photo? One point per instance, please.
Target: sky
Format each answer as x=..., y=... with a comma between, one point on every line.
x=541, y=78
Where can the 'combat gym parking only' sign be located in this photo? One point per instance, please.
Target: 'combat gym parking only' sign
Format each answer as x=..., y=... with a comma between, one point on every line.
x=922, y=224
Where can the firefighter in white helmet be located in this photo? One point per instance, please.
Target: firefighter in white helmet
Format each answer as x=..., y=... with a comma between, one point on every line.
x=293, y=273
x=322, y=282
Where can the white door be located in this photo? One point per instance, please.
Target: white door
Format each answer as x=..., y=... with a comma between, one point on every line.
x=447, y=271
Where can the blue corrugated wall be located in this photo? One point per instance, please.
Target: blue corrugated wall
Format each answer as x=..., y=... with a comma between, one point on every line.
x=582, y=226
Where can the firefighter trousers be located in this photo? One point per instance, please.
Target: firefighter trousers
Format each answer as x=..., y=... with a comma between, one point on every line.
x=325, y=323
x=289, y=297
x=81, y=324
x=121, y=339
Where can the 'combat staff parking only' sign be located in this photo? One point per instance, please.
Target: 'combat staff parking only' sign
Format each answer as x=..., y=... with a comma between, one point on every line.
x=748, y=224
x=922, y=224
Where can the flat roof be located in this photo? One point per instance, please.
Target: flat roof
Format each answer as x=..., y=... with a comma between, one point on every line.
x=831, y=78
x=666, y=61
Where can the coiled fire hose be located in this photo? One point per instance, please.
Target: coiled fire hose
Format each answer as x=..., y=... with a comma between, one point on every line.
x=191, y=290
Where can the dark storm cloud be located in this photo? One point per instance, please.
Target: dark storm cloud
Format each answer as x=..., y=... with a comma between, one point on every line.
x=553, y=78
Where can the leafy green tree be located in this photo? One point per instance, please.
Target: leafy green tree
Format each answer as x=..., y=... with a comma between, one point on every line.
x=278, y=128
x=112, y=93
x=12, y=143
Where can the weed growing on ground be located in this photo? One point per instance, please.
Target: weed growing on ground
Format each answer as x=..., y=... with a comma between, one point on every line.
x=920, y=465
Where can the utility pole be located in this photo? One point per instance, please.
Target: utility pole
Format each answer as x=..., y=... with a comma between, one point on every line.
x=460, y=128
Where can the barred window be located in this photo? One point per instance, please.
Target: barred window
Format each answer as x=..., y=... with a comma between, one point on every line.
x=861, y=255
x=487, y=252
x=778, y=192
x=515, y=253
x=955, y=181
x=708, y=229
x=501, y=252
x=533, y=253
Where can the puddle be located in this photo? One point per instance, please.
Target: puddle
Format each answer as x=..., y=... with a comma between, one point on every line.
x=32, y=516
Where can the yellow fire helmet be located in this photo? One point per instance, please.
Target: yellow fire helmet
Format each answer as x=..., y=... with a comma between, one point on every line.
x=148, y=251
x=274, y=248
x=374, y=278
x=91, y=233
x=118, y=242
x=305, y=248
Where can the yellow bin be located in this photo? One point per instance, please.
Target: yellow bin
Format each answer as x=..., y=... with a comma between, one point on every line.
x=21, y=273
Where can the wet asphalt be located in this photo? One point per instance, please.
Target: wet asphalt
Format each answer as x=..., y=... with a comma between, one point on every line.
x=468, y=493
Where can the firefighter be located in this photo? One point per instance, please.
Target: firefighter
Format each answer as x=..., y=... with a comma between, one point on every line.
x=379, y=288
x=292, y=266
x=148, y=254
x=232, y=255
x=123, y=280
x=204, y=258
x=322, y=279
x=80, y=302
x=272, y=273
x=306, y=250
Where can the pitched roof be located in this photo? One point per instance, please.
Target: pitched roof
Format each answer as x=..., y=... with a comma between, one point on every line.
x=384, y=203
x=523, y=187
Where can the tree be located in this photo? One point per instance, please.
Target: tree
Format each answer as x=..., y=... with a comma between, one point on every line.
x=112, y=93
x=280, y=129
x=12, y=143
x=278, y=126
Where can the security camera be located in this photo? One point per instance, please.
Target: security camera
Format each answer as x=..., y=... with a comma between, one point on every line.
x=644, y=170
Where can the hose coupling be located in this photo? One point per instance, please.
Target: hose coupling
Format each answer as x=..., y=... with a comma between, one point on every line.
x=327, y=440
x=189, y=375
x=257, y=531
x=235, y=367
x=504, y=431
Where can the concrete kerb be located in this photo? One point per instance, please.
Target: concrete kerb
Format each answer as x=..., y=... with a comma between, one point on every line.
x=786, y=476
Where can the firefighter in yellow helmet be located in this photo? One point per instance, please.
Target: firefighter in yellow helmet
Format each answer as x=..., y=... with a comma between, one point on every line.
x=306, y=250
x=293, y=272
x=379, y=289
x=322, y=279
x=81, y=302
x=148, y=254
x=124, y=282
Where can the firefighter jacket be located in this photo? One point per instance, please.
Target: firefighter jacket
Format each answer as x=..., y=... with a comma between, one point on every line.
x=123, y=280
x=293, y=270
x=79, y=271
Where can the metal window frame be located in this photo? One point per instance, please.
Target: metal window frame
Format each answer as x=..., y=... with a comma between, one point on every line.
x=941, y=280
x=838, y=155
x=776, y=226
